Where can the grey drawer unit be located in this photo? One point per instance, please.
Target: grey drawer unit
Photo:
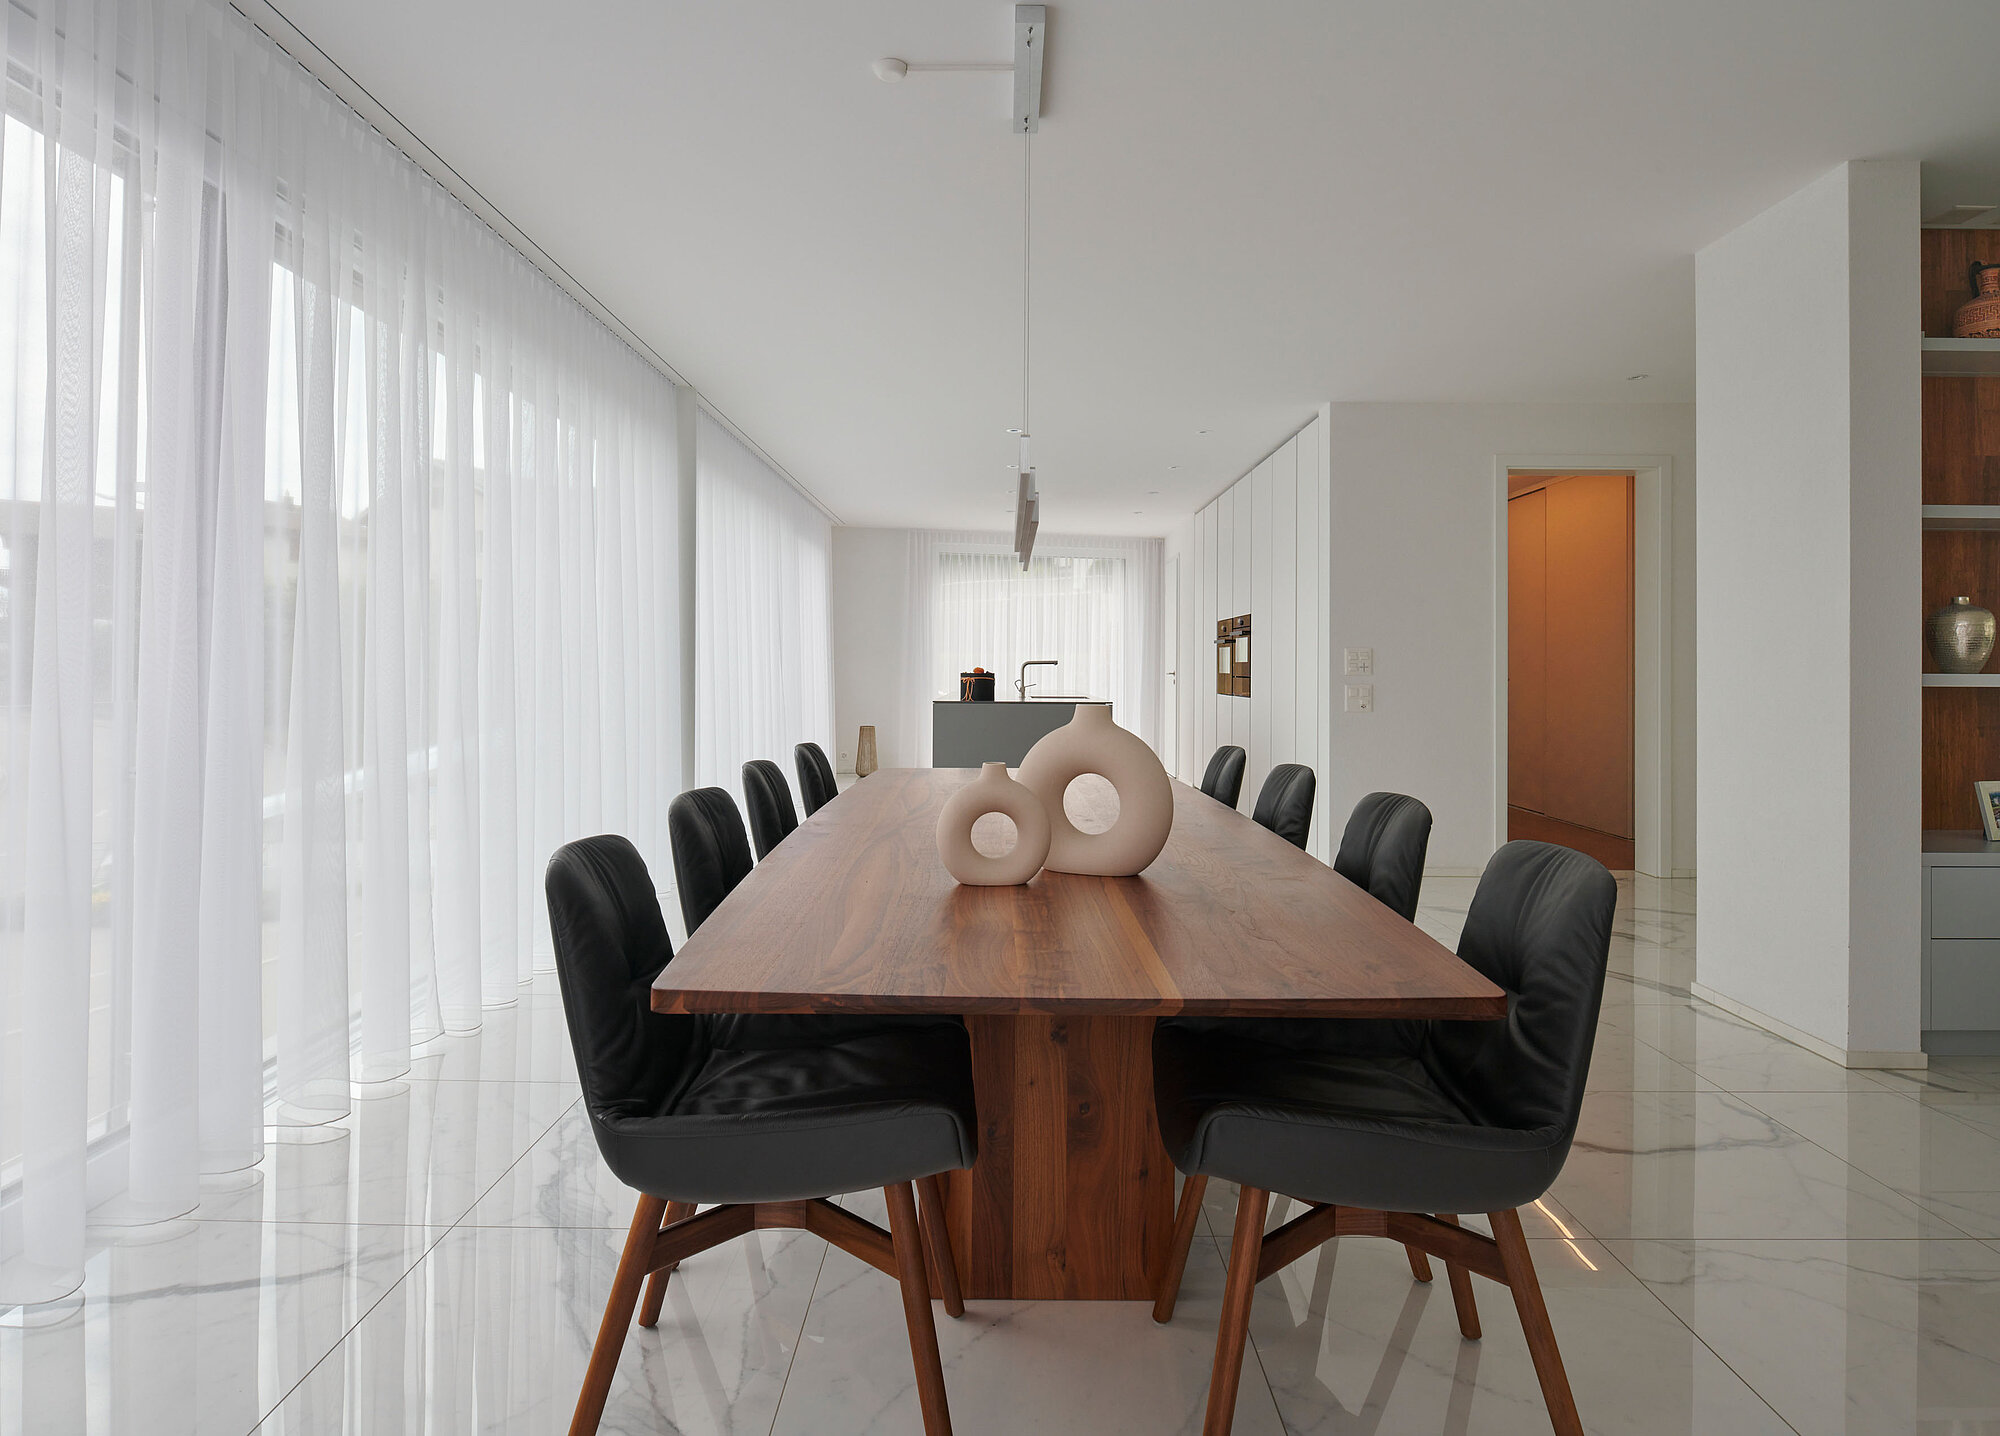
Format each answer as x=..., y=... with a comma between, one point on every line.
x=1965, y=902
x=1965, y=985
x=1961, y=950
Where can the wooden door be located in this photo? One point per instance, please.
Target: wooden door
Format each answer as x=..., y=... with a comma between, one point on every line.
x=1570, y=685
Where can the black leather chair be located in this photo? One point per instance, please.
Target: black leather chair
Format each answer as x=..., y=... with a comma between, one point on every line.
x=1382, y=850
x=686, y=1118
x=769, y=798
x=711, y=856
x=1224, y=779
x=1285, y=802
x=817, y=787
x=711, y=851
x=1474, y=1116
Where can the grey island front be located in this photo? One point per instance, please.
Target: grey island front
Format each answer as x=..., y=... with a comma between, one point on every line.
x=964, y=735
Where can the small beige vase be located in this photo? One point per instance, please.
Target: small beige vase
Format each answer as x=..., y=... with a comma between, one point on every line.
x=1091, y=743
x=864, y=752
x=993, y=792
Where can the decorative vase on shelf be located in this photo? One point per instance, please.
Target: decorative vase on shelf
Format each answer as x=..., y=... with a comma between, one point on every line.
x=1962, y=634
x=993, y=792
x=864, y=752
x=1091, y=743
x=1979, y=317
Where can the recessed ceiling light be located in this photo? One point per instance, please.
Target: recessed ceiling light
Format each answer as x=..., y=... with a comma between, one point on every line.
x=1201, y=431
x=1151, y=492
x=1173, y=466
x=1138, y=511
x=1630, y=378
x=1017, y=431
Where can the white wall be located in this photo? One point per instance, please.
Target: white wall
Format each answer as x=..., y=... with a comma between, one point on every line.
x=1410, y=563
x=870, y=637
x=1809, y=564
x=1259, y=549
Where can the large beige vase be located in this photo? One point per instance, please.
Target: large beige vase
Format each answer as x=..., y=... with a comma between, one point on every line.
x=1091, y=743
x=993, y=792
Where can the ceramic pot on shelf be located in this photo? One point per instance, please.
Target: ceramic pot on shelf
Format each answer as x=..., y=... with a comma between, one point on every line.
x=1979, y=317
x=993, y=792
x=1962, y=634
x=1091, y=743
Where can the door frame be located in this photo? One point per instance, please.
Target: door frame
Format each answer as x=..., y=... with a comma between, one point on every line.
x=1652, y=641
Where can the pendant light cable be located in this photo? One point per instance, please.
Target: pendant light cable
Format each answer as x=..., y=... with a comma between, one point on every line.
x=1027, y=280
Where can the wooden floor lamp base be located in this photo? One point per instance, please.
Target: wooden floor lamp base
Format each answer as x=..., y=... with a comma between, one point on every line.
x=663, y=1234
x=1255, y=1254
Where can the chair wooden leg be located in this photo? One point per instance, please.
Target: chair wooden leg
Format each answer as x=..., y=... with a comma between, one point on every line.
x=1520, y=1269
x=937, y=1244
x=1185, y=1220
x=1420, y=1265
x=907, y=1235
x=1233, y=1335
x=1461, y=1292
x=656, y=1284
x=632, y=1264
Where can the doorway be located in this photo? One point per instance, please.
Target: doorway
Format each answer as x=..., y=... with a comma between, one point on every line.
x=1571, y=661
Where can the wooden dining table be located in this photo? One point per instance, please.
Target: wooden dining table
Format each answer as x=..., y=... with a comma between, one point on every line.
x=1060, y=982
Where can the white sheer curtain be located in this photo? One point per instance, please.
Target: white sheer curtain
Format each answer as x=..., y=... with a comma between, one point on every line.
x=1092, y=604
x=338, y=558
x=763, y=613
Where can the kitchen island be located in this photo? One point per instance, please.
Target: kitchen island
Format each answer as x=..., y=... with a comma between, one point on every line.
x=964, y=735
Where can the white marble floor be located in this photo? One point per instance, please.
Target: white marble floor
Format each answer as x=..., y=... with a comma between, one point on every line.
x=1746, y=1239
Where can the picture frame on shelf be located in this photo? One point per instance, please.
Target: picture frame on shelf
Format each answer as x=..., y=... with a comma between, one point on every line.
x=1988, y=793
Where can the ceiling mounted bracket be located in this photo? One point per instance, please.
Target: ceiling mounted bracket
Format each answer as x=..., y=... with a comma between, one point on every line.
x=1031, y=28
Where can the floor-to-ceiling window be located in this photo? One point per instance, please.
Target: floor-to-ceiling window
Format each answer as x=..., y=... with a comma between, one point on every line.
x=338, y=553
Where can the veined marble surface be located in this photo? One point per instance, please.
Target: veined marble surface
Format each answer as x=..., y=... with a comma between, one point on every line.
x=1746, y=1239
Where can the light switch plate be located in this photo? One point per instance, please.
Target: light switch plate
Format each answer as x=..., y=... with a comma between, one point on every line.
x=1360, y=698
x=1360, y=660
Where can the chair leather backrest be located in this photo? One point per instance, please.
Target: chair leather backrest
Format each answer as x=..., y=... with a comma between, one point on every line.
x=611, y=942
x=1540, y=927
x=1285, y=802
x=1382, y=851
x=711, y=853
x=816, y=784
x=1224, y=779
x=769, y=799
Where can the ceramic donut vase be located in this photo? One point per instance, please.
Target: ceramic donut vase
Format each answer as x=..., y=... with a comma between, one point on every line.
x=993, y=792
x=1091, y=743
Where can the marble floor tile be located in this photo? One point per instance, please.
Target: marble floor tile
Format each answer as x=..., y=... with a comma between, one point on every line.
x=1738, y=1056
x=1014, y=1366
x=197, y=1326
x=1845, y=1336
x=492, y=1331
x=1350, y=1344
x=1949, y=1167
x=1678, y=1164
x=527, y=1042
x=561, y=1181
x=414, y=1151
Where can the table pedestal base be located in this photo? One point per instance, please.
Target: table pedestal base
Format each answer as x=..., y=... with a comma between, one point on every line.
x=1072, y=1197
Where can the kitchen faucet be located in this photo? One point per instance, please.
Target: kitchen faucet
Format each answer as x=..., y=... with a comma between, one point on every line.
x=1022, y=684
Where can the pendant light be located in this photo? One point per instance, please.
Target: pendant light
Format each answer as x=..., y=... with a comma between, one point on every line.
x=1030, y=30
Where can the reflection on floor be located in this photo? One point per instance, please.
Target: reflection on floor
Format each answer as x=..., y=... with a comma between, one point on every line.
x=1746, y=1239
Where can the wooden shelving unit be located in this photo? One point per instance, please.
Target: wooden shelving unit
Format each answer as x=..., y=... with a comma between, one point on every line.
x=1961, y=519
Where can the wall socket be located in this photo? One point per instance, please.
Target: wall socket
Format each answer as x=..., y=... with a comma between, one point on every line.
x=1360, y=698
x=1360, y=660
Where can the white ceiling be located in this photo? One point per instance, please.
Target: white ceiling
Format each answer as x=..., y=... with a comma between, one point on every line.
x=1240, y=209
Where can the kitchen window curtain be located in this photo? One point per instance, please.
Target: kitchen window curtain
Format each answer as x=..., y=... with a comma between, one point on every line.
x=1092, y=604
x=337, y=564
x=763, y=613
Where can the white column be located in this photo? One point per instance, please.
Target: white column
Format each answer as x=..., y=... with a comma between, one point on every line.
x=1808, y=583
